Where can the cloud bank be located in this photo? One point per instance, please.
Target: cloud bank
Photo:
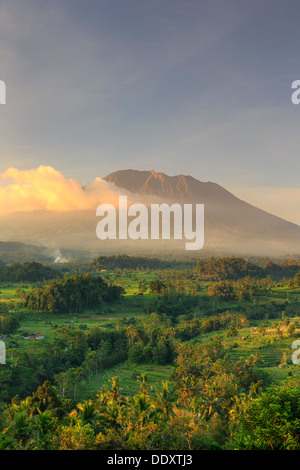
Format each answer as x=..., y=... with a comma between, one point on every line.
x=47, y=189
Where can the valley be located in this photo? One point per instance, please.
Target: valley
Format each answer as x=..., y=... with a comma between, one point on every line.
x=197, y=336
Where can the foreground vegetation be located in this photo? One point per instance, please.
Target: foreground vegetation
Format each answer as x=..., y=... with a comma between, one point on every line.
x=137, y=354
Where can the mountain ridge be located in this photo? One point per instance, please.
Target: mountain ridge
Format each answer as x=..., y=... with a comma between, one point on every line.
x=160, y=184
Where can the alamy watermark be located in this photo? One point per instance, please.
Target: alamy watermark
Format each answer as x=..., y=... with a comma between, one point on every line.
x=2, y=92
x=296, y=94
x=295, y=358
x=154, y=225
x=2, y=353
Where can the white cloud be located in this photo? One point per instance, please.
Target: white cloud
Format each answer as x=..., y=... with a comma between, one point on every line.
x=45, y=188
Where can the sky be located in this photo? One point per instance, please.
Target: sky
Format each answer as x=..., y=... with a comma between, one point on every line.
x=192, y=87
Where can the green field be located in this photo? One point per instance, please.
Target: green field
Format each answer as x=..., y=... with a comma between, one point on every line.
x=269, y=349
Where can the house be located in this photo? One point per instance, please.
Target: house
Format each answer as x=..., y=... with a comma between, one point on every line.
x=33, y=336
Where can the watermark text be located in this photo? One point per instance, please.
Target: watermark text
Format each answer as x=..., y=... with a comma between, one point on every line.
x=159, y=221
x=2, y=92
x=2, y=353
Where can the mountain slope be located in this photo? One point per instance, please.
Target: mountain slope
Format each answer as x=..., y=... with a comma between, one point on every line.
x=229, y=222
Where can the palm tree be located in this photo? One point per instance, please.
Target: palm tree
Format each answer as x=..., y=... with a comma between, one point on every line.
x=102, y=397
x=112, y=416
x=7, y=443
x=131, y=334
x=43, y=421
x=115, y=391
x=165, y=400
x=87, y=412
x=210, y=404
x=24, y=406
x=144, y=387
x=239, y=403
x=42, y=425
x=19, y=428
x=186, y=390
x=142, y=410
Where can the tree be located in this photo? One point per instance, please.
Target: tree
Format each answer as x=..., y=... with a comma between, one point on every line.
x=156, y=286
x=165, y=399
x=90, y=364
x=87, y=412
x=291, y=330
x=142, y=286
x=222, y=290
x=8, y=324
x=78, y=437
x=43, y=425
x=62, y=379
x=45, y=398
x=297, y=280
x=75, y=376
x=143, y=380
x=270, y=422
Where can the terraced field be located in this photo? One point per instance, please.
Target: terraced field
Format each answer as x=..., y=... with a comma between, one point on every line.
x=128, y=376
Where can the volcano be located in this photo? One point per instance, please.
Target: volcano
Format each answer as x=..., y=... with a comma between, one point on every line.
x=231, y=224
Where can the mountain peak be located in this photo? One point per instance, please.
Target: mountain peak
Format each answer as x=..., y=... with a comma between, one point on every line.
x=181, y=187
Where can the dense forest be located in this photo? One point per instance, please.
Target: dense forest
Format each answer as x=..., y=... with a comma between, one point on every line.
x=28, y=271
x=72, y=293
x=229, y=268
x=134, y=262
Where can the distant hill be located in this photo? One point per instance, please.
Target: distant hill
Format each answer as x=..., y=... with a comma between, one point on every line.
x=18, y=252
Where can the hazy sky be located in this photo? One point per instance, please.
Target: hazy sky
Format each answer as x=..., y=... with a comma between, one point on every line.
x=180, y=86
